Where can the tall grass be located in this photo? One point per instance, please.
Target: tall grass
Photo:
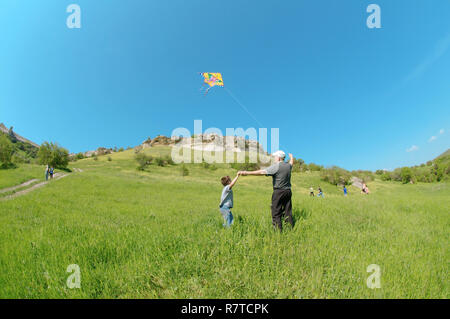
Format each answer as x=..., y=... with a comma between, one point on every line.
x=159, y=234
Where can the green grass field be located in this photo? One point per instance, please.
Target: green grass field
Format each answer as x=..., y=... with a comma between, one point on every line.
x=157, y=234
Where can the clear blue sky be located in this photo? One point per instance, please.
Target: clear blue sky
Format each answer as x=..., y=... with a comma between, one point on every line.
x=340, y=93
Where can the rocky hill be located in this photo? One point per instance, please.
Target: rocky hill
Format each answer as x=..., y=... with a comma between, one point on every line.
x=22, y=139
x=207, y=142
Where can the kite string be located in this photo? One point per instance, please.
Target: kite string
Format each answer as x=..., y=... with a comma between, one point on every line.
x=243, y=106
x=245, y=109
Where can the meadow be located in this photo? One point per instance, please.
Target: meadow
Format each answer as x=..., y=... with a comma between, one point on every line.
x=159, y=234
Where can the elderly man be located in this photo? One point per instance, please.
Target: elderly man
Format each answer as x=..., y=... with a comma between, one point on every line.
x=281, y=179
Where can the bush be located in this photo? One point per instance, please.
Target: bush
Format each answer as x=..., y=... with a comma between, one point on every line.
x=184, y=170
x=6, y=150
x=336, y=176
x=143, y=160
x=314, y=167
x=54, y=155
x=109, y=159
x=160, y=161
x=299, y=165
x=169, y=160
x=245, y=166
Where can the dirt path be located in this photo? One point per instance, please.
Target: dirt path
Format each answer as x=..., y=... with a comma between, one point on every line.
x=9, y=189
x=36, y=186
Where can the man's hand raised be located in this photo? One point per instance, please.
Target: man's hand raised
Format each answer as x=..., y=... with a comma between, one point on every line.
x=291, y=159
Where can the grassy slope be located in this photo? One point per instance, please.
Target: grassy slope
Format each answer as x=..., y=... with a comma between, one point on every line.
x=13, y=177
x=157, y=234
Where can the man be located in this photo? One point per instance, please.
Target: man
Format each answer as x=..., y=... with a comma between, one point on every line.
x=281, y=180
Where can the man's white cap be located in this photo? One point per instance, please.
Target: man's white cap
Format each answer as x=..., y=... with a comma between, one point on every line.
x=279, y=154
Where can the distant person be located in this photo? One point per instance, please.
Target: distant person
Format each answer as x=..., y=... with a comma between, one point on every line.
x=226, y=200
x=320, y=194
x=365, y=189
x=311, y=192
x=47, y=172
x=281, y=181
x=345, y=190
x=51, y=172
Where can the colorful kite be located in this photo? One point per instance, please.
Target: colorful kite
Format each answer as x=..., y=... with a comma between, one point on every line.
x=212, y=79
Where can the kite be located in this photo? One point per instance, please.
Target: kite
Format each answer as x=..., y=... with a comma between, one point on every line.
x=212, y=79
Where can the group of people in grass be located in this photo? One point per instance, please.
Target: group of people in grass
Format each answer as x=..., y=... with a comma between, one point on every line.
x=49, y=170
x=319, y=192
x=281, y=206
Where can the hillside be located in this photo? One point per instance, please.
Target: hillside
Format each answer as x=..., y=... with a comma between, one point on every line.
x=24, y=150
x=22, y=139
x=158, y=234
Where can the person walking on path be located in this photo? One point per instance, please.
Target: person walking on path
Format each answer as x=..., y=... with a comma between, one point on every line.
x=281, y=181
x=47, y=171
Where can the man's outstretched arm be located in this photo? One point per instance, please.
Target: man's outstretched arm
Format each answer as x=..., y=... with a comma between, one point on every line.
x=261, y=172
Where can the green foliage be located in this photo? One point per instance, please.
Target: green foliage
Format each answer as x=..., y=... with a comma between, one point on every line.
x=109, y=159
x=336, y=176
x=299, y=165
x=406, y=175
x=314, y=167
x=54, y=155
x=6, y=150
x=434, y=171
x=143, y=160
x=365, y=176
x=184, y=170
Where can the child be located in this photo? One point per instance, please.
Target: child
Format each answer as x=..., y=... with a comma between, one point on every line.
x=226, y=200
x=320, y=192
x=345, y=190
x=311, y=192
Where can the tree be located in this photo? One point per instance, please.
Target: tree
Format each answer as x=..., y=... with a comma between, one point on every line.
x=6, y=150
x=54, y=155
x=12, y=136
x=406, y=175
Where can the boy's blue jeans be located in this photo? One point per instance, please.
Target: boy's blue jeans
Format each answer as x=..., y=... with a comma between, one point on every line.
x=227, y=216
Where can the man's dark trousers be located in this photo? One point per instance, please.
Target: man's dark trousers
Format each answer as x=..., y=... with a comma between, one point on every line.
x=281, y=202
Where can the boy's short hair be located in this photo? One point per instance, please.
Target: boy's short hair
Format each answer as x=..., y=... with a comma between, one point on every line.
x=225, y=180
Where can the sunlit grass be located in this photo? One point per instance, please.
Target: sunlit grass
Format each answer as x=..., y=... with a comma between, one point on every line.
x=157, y=234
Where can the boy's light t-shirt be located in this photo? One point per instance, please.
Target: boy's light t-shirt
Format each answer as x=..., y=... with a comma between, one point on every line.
x=227, y=197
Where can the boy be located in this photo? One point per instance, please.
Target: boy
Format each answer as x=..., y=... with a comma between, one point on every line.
x=320, y=193
x=226, y=200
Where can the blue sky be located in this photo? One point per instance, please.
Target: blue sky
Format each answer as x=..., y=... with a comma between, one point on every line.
x=340, y=93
